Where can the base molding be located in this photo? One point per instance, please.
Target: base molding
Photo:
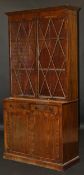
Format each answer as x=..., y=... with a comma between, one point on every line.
x=46, y=164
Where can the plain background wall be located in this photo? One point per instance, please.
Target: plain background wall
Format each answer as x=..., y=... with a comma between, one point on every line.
x=14, y=5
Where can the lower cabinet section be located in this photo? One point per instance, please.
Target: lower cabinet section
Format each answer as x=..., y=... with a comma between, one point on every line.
x=41, y=132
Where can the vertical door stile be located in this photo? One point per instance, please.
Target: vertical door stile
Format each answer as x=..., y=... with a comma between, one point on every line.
x=37, y=60
x=10, y=62
x=36, y=57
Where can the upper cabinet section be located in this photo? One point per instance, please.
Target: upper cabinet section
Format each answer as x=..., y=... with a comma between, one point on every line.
x=43, y=53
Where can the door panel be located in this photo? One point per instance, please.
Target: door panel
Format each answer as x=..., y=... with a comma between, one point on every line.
x=47, y=136
x=23, y=58
x=53, y=46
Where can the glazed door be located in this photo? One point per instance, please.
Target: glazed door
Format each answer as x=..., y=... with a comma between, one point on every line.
x=23, y=58
x=53, y=47
x=39, y=57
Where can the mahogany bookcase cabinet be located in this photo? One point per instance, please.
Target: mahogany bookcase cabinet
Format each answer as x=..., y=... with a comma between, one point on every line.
x=41, y=116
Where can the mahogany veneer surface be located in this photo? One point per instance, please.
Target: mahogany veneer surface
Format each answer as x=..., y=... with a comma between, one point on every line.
x=40, y=130
x=41, y=116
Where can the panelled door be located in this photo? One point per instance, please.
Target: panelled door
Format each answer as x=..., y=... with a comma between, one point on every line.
x=33, y=130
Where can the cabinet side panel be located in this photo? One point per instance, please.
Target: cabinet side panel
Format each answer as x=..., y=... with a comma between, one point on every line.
x=70, y=131
x=73, y=55
x=6, y=133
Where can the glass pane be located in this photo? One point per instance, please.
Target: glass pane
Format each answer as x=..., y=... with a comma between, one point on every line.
x=23, y=58
x=52, y=39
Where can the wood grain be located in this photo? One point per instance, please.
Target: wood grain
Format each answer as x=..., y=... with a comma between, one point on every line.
x=41, y=116
x=41, y=131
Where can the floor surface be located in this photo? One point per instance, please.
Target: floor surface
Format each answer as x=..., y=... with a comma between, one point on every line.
x=8, y=167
